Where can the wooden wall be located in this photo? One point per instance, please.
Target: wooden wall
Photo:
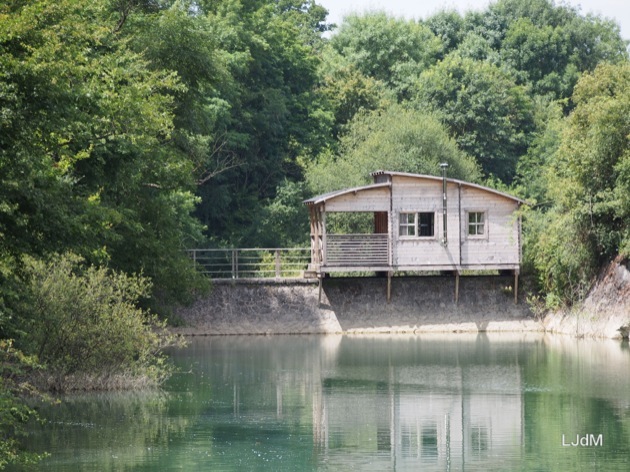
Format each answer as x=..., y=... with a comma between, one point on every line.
x=499, y=247
x=363, y=201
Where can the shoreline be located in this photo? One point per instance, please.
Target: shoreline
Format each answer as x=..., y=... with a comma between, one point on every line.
x=359, y=306
x=423, y=304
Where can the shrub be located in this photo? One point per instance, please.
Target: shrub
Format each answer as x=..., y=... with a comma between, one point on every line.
x=14, y=412
x=84, y=325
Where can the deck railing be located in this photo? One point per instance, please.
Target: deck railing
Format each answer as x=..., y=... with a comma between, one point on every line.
x=252, y=263
x=357, y=250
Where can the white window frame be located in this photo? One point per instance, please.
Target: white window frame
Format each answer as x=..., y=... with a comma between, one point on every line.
x=415, y=224
x=477, y=224
x=407, y=224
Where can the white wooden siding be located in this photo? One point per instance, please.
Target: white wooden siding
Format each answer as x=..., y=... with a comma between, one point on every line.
x=366, y=200
x=501, y=244
x=499, y=248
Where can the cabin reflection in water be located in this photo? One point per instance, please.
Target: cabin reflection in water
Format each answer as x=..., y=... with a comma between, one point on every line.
x=438, y=418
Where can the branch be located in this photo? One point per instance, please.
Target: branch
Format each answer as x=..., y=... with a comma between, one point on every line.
x=223, y=161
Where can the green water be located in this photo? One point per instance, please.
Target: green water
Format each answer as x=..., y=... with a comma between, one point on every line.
x=299, y=403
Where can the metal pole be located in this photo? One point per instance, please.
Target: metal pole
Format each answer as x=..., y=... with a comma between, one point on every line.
x=444, y=166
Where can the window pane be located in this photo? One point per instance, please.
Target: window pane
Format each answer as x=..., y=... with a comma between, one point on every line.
x=476, y=223
x=426, y=225
x=407, y=226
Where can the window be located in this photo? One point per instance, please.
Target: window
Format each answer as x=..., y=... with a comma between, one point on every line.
x=476, y=223
x=417, y=224
x=426, y=225
x=407, y=225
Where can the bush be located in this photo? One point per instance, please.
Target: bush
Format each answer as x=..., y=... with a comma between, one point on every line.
x=85, y=327
x=14, y=412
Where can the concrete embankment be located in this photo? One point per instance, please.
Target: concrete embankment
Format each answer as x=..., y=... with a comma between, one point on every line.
x=359, y=305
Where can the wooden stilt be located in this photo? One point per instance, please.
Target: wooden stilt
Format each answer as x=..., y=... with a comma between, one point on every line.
x=456, y=287
x=389, y=286
x=516, y=287
x=321, y=276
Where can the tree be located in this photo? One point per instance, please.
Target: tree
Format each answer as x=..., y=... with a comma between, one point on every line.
x=449, y=27
x=489, y=115
x=393, y=51
x=396, y=139
x=548, y=45
x=86, y=158
x=588, y=183
x=274, y=117
x=84, y=322
x=347, y=91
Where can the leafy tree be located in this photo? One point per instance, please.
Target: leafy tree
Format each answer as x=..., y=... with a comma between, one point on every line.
x=85, y=151
x=274, y=118
x=489, y=115
x=284, y=221
x=15, y=412
x=396, y=139
x=547, y=44
x=531, y=174
x=347, y=91
x=449, y=27
x=390, y=50
x=588, y=184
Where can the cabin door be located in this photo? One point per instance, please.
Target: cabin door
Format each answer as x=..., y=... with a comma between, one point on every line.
x=380, y=222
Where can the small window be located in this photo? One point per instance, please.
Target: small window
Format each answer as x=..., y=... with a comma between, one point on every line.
x=426, y=226
x=476, y=223
x=407, y=225
x=417, y=224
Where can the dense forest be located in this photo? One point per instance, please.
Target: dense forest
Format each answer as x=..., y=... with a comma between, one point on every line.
x=131, y=130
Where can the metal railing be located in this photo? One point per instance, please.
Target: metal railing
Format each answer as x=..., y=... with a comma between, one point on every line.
x=257, y=263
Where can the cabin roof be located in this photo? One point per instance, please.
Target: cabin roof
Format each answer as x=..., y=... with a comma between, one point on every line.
x=338, y=193
x=455, y=181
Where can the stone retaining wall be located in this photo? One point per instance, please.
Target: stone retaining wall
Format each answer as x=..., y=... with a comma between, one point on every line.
x=359, y=305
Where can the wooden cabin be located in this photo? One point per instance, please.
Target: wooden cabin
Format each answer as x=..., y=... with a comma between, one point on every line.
x=421, y=223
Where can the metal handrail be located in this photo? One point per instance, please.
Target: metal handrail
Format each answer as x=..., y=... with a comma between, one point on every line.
x=241, y=263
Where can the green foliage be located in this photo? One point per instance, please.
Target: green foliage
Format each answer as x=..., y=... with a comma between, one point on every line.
x=393, y=51
x=14, y=412
x=548, y=44
x=86, y=320
x=588, y=183
x=272, y=115
x=86, y=155
x=396, y=139
x=489, y=115
x=347, y=91
x=284, y=221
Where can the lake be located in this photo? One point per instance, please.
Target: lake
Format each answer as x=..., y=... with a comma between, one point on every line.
x=383, y=403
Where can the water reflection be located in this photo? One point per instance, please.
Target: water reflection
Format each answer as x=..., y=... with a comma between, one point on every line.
x=429, y=404
x=441, y=402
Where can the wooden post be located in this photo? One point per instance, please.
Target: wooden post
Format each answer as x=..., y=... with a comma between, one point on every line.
x=235, y=263
x=389, y=286
x=456, y=287
x=516, y=287
x=277, y=263
x=321, y=276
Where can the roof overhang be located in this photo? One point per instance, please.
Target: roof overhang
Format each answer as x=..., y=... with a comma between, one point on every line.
x=453, y=181
x=326, y=197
